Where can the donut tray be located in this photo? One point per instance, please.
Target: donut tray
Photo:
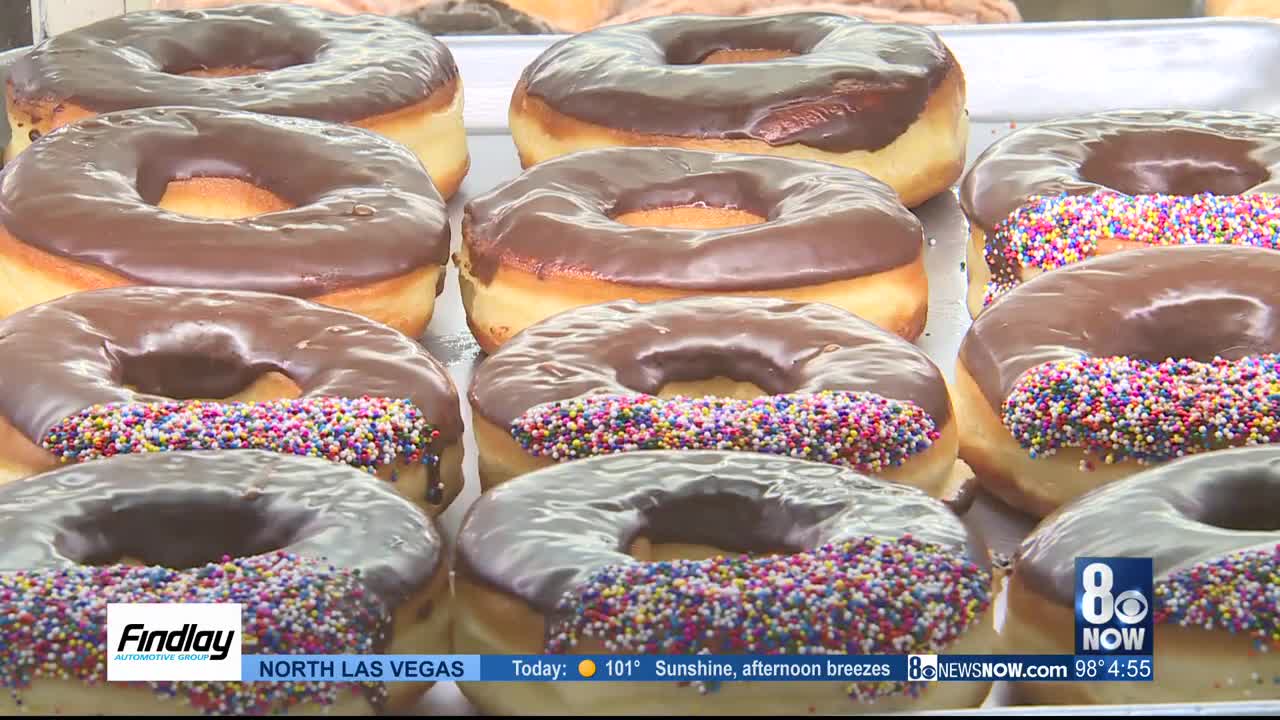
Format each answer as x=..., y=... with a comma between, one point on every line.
x=1016, y=74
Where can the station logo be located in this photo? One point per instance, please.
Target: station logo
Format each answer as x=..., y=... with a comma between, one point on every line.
x=173, y=642
x=1113, y=606
x=922, y=668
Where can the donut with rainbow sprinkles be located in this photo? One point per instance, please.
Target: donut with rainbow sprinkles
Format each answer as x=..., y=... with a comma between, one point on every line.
x=1056, y=193
x=1086, y=375
x=763, y=375
x=149, y=369
x=1209, y=525
x=690, y=552
x=323, y=560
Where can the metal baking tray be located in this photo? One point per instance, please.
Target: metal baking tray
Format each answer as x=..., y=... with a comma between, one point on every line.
x=1016, y=74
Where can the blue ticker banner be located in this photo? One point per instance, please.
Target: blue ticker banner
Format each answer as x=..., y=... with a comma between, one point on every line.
x=695, y=668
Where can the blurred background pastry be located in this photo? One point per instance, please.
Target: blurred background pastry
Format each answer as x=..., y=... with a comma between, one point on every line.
x=534, y=17
x=462, y=17
x=490, y=17
x=476, y=17
x=919, y=12
x=349, y=7
x=1242, y=8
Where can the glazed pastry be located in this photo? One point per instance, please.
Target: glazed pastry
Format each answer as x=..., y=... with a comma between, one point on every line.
x=324, y=559
x=661, y=223
x=1209, y=525
x=202, y=198
x=887, y=100
x=916, y=12
x=476, y=17
x=718, y=373
x=346, y=7
x=1242, y=8
x=639, y=554
x=1082, y=376
x=1053, y=194
x=131, y=370
x=373, y=72
x=572, y=17
x=444, y=16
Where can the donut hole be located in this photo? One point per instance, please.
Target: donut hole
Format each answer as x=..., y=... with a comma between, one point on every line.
x=1178, y=162
x=207, y=367
x=705, y=526
x=695, y=216
x=180, y=535
x=744, y=55
x=194, y=175
x=240, y=50
x=221, y=198
x=728, y=372
x=222, y=72
x=719, y=386
x=693, y=46
x=1174, y=327
x=1242, y=501
x=696, y=200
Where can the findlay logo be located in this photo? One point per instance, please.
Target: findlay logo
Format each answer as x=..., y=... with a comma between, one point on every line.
x=189, y=643
x=173, y=642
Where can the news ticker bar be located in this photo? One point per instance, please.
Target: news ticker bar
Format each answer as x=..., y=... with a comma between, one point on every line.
x=696, y=668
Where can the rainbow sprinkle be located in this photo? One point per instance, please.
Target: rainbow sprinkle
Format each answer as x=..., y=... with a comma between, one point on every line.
x=1121, y=408
x=1239, y=593
x=365, y=433
x=53, y=624
x=860, y=430
x=1049, y=232
x=861, y=597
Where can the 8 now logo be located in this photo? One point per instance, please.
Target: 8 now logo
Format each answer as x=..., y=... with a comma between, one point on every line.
x=1113, y=606
x=922, y=668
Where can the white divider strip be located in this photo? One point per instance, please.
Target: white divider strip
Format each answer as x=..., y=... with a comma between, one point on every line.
x=50, y=17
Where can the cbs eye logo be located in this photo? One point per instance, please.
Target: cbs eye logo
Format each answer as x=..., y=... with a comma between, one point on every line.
x=1111, y=621
x=1131, y=608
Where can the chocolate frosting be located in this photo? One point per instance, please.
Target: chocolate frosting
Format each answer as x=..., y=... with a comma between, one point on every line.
x=628, y=347
x=476, y=17
x=1172, y=152
x=824, y=223
x=851, y=85
x=1180, y=514
x=365, y=210
x=61, y=357
x=186, y=509
x=545, y=533
x=1195, y=302
x=321, y=65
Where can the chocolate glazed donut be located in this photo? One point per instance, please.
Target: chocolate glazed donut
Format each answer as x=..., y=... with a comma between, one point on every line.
x=888, y=100
x=1054, y=193
x=605, y=366
x=536, y=556
x=374, y=72
x=350, y=219
x=323, y=558
x=1211, y=525
x=90, y=374
x=660, y=223
x=1081, y=376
